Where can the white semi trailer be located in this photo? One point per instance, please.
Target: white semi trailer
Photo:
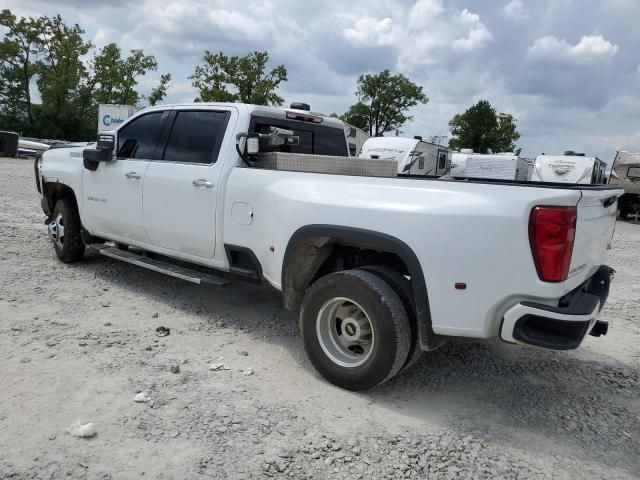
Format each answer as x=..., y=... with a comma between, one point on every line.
x=569, y=168
x=414, y=156
x=500, y=166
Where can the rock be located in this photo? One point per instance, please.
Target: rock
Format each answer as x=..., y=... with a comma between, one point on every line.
x=175, y=368
x=280, y=465
x=86, y=430
x=218, y=366
x=315, y=455
x=107, y=324
x=155, y=315
x=105, y=304
x=247, y=371
x=244, y=353
x=142, y=397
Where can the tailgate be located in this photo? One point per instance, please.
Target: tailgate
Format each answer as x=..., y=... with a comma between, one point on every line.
x=597, y=211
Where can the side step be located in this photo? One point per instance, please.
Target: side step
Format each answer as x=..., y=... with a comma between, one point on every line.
x=187, y=274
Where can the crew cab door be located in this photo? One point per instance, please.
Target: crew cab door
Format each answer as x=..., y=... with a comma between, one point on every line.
x=181, y=183
x=113, y=192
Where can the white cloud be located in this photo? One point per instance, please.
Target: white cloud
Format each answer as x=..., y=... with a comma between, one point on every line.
x=515, y=9
x=423, y=35
x=590, y=49
x=477, y=37
x=368, y=30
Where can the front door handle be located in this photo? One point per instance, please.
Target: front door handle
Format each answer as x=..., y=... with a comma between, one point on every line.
x=201, y=182
x=135, y=175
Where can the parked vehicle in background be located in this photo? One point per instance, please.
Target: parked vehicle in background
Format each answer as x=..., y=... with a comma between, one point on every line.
x=217, y=192
x=111, y=115
x=504, y=166
x=355, y=138
x=414, y=155
x=31, y=147
x=569, y=168
x=500, y=166
x=625, y=173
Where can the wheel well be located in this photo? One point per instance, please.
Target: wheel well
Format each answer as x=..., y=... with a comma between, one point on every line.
x=54, y=191
x=316, y=250
x=314, y=257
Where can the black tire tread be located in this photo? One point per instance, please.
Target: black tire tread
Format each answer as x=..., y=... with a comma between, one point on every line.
x=402, y=287
x=73, y=248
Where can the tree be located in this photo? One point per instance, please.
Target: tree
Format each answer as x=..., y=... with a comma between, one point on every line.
x=115, y=78
x=18, y=66
x=383, y=102
x=357, y=115
x=484, y=130
x=63, y=82
x=158, y=93
x=437, y=139
x=238, y=79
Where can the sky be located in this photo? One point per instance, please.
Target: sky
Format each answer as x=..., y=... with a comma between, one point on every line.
x=568, y=70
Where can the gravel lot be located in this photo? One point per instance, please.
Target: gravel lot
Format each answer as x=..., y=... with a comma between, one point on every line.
x=78, y=343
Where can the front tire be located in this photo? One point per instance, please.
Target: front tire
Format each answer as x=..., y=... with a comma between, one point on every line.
x=355, y=329
x=65, y=231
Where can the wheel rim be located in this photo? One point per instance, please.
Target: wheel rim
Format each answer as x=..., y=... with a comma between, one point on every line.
x=56, y=230
x=345, y=332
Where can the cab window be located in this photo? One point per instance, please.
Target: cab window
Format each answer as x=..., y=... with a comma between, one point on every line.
x=196, y=136
x=138, y=138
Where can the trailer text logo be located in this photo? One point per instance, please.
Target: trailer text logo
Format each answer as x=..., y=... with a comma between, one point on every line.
x=561, y=168
x=109, y=120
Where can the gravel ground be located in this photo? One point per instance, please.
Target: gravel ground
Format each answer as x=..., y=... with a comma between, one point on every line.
x=78, y=343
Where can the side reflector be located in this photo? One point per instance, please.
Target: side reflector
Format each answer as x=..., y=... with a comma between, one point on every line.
x=461, y=286
x=551, y=234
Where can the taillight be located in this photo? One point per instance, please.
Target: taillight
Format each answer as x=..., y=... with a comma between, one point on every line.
x=551, y=233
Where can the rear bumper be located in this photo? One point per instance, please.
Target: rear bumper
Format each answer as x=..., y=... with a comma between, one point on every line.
x=561, y=327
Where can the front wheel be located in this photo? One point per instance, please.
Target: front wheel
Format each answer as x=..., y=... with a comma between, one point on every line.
x=355, y=329
x=65, y=231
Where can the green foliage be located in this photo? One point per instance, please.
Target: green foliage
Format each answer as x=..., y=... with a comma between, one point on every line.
x=383, y=102
x=238, y=79
x=358, y=115
x=437, y=139
x=484, y=130
x=115, y=78
x=18, y=66
x=63, y=82
x=158, y=93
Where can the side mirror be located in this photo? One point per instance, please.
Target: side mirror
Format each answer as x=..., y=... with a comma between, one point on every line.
x=102, y=153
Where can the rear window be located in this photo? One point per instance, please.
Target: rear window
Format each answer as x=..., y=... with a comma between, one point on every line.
x=315, y=139
x=196, y=137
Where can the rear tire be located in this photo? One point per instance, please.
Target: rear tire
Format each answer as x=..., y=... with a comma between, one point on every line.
x=355, y=329
x=65, y=231
x=402, y=287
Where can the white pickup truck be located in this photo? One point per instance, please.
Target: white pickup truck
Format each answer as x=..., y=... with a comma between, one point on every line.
x=361, y=251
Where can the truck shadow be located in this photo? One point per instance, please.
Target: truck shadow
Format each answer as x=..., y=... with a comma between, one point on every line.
x=486, y=388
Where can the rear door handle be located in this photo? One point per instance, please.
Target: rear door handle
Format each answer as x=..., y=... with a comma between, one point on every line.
x=135, y=175
x=201, y=182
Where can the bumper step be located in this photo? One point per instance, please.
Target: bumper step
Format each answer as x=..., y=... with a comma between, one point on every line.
x=193, y=276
